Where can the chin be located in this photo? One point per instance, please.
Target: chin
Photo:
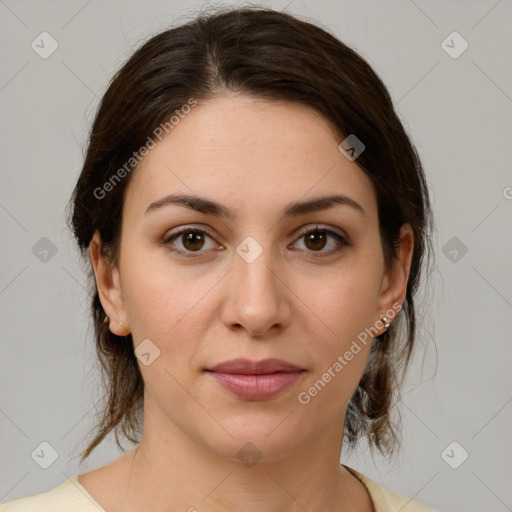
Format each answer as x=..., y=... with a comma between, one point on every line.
x=258, y=438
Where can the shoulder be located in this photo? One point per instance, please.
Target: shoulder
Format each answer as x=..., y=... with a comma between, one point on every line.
x=69, y=496
x=385, y=500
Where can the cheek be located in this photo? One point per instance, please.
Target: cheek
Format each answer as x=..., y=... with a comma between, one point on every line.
x=343, y=306
x=170, y=305
x=341, y=352
x=157, y=295
x=343, y=301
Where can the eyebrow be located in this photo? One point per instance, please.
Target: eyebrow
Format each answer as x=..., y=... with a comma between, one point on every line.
x=294, y=209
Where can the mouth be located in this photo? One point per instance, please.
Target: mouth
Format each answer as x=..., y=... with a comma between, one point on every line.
x=255, y=380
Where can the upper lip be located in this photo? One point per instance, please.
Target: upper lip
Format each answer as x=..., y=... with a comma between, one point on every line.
x=248, y=367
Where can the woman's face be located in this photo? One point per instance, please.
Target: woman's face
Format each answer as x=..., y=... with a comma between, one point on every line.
x=241, y=269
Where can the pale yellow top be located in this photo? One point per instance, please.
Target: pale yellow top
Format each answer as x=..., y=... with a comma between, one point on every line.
x=71, y=496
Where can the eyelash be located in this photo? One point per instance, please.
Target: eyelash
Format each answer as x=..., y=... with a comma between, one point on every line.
x=342, y=241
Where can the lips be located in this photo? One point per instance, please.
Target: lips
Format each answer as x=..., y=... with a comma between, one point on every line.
x=255, y=380
x=248, y=367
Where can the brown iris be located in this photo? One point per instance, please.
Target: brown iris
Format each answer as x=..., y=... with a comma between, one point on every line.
x=316, y=240
x=193, y=241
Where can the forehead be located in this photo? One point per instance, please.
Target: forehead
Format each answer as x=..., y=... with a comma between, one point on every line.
x=249, y=153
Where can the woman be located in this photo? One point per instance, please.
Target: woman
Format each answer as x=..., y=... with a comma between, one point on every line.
x=256, y=219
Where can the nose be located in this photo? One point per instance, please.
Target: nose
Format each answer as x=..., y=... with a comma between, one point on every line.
x=257, y=298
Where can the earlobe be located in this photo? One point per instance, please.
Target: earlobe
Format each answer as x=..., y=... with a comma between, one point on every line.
x=107, y=279
x=116, y=327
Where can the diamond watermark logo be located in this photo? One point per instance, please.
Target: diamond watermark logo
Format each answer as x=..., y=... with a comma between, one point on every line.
x=44, y=455
x=352, y=147
x=454, y=455
x=454, y=45
x=249, y=250
x=44, y=250
x=146, y=352
x=44, y=45
x=454, y=249
x=249, y=455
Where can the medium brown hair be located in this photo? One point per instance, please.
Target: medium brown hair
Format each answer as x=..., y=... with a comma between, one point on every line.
x=270, y=55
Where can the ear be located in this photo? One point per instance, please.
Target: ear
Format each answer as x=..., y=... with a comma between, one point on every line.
x=394, y=283
x=108, y=283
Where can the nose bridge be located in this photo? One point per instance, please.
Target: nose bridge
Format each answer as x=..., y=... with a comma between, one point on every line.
x=257, y=300
x=252, y=267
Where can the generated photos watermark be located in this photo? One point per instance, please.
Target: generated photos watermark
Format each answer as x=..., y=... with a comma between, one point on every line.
x=304, y=397
x=137, y=156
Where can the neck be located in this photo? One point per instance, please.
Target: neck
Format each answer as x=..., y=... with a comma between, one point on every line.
x=171, y=471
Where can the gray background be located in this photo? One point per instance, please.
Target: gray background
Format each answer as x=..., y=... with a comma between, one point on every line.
x=458, y=112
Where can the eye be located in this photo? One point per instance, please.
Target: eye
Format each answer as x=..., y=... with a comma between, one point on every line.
x=188, y=241
x=321, y=240
x=318, y=239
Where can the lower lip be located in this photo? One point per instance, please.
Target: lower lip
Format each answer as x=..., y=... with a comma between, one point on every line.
x=256, y=387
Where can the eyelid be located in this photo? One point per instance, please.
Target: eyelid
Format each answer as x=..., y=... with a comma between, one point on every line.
x=185, y=229
x=323, y=227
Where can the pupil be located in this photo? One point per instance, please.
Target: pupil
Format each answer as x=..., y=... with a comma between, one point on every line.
x=315, y=240
x=193, y=241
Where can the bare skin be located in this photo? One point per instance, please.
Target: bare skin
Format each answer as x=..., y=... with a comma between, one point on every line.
x=301, y=300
